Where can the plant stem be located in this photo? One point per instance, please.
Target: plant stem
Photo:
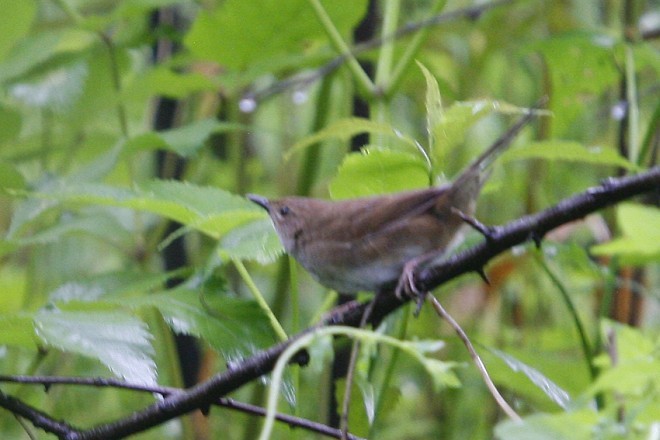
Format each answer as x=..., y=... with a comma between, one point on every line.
x=360, y=76
x=279, y=331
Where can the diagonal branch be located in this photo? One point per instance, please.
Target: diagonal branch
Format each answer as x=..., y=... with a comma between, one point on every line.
x=36, y=417
x=500, y=239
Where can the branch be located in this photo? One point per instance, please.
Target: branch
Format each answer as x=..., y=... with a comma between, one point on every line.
x=500, y=238
x=63, y=430
x=38, y=418
x=306, y=79
x=536, y=226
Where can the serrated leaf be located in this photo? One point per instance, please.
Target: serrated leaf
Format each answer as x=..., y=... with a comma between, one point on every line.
x=232, y=326
x=209, y=210
x=640, y=241
x=344, y=129
x=119, y=341
x=98, y=224
x=549, y=388
x=376, y=171
x=441, y=373
x=115, y=284
x=568, y=151
x=253, y=241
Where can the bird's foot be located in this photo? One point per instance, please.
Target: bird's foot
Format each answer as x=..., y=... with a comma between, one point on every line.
x=406, y=287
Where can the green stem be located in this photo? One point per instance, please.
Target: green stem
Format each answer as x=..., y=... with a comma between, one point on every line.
x=633, y=108
x=391, y=11
x=70, y=11
x=389, y=374
x=312, y=156
x=116, y=83
x=651, y=132
x=304, y=341
x=360, y=76
x=240, y=267
x=171, y=365
x=411, y=52
x=584, y=340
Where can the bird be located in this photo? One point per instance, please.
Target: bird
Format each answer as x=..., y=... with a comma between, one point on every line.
x=376, y=243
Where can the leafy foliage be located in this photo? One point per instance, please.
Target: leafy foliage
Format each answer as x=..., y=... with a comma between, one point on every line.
x=89, y=186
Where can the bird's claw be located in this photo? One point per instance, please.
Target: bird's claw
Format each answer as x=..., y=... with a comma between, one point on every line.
x=406, y=288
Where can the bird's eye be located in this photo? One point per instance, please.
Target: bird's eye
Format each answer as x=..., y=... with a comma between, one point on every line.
x=284, y=210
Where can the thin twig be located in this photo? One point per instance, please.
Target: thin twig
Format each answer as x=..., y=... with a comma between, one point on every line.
x=225, y=402
x=306, y=79
x=475, y=357
x=350, y=373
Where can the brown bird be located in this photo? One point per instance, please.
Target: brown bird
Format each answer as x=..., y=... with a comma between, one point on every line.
x=367, y=244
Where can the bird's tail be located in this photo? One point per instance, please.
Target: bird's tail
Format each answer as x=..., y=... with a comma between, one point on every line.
x=467, y=185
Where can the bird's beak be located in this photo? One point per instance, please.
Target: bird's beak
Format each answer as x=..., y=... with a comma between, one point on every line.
x=259, y=200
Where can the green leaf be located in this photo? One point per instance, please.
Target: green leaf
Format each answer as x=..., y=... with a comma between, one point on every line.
x=55, y=89
x=640, y=240
x=110, y=285
x=209, y=210
x=549, y=388
x=119, y=341
x=359, y=410
x=377, y=171
x=441, y=373
x=274, y=27
x=565, y=426
x=452, y=127
x=18, y=331
x=569, y=151
x=637, y=367
x=185, y=140
x=580, y=64
x=15, y=22
x=433, y=104
x=188, y=139
x=344, y=129
x=10, y=177
x=232, y=326
x=167, y=82
x=32, y=53
x=95, y=222
x=10, y=124
x=253, y=241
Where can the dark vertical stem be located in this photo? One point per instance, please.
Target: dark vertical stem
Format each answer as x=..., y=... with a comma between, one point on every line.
x=171, y=166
